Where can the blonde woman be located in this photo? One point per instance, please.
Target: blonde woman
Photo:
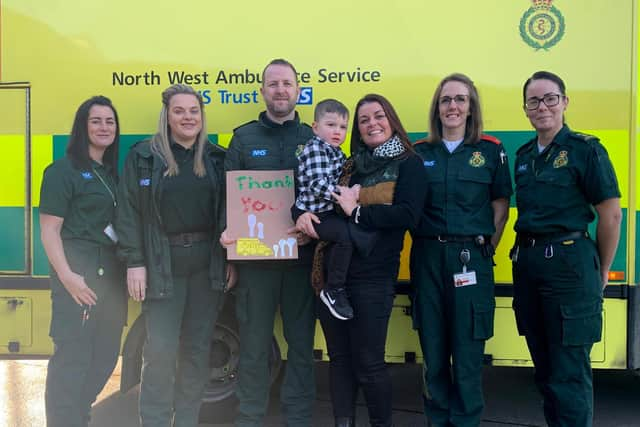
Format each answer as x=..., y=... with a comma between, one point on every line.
x=171, y=210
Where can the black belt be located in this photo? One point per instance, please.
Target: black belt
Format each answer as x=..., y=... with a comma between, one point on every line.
x=444, y=238
x=187, y=239
x=532, y=239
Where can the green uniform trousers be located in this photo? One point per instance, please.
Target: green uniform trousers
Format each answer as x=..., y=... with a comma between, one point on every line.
x=175, y=358
x=85, y=352
x=558, y=308
x=453, y=324
x=259, y=293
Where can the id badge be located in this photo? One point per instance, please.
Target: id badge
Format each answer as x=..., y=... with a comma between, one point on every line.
x=111, y=233
x=464, y=279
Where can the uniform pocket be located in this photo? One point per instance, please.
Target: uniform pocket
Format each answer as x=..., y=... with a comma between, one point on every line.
x=483, y=315
x=66, y=315
x=581, y=323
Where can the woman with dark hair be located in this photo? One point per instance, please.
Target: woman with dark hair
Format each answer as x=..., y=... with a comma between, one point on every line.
x=559, y=274
x=77, y=209
x=172, y=209
x=463, y=217
x=386, y=168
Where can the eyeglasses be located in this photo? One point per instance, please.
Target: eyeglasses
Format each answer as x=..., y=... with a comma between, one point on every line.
x=549, y=99
x=458, y=99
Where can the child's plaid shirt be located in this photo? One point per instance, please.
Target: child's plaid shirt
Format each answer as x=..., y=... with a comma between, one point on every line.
x=319, y=167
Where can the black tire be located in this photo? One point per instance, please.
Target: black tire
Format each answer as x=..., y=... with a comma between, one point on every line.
x=219, y=401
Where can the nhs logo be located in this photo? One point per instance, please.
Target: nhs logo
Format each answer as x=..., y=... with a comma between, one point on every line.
x=259, y=153
x=306, y=96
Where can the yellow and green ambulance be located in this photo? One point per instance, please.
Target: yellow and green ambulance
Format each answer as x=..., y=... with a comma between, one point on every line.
x=55, y=54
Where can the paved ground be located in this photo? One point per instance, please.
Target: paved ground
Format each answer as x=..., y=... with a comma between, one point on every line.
x=511, y=399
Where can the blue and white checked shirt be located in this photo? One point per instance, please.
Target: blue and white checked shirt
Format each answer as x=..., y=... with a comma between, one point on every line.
x=319, y=168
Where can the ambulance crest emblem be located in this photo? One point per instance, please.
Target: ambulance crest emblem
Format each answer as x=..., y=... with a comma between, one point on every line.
x=476, y=160
x=542, y=25
x=560, y=160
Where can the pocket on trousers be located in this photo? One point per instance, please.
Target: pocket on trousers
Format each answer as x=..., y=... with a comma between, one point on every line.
x=581, y=323
x=483, y=315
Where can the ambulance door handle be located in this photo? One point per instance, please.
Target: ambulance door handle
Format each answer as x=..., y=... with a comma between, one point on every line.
x=14, y=303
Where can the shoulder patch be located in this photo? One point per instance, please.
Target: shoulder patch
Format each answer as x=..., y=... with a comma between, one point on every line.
x=245, y=124
x=421, y=141
x=526, y=146
x=490, y=138
x=583, y=137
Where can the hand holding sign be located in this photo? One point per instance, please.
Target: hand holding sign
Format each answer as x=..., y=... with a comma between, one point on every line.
x=258, y=215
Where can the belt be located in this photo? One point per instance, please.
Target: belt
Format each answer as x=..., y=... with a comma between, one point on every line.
x=532, y=239
x=187, y=239
x=444, y=238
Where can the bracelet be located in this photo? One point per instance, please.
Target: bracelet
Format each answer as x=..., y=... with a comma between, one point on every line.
x=356, y=218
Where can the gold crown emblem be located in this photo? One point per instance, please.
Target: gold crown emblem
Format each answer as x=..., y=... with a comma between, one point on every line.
x=542, y=4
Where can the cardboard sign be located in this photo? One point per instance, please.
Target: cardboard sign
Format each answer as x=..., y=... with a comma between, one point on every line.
x=259, y=214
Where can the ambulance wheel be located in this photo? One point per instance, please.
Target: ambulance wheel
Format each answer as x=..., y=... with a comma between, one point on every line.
x=219, y=401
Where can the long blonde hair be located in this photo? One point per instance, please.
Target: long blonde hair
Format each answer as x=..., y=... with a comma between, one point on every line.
x=160, y=141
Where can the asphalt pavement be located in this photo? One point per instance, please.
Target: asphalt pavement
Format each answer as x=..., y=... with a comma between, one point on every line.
x=510, y=395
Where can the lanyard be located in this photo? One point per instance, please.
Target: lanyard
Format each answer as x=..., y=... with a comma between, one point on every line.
x=113, y=197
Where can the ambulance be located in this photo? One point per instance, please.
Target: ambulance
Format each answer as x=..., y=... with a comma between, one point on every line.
x=55, y=54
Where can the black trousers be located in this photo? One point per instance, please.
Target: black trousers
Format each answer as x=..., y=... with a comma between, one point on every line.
x=334, y=228
x=356, y=351
x=85, y=351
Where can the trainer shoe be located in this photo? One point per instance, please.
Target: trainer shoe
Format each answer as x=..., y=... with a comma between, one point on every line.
x=337, y=302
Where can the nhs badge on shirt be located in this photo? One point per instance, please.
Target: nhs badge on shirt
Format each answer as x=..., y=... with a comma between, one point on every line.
x=87, y=175
x=522, y=167
x=145, y=182
x=259, y=153
x=429, y=163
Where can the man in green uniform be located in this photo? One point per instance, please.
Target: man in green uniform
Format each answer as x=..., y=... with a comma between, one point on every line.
x=559, y=273
x=270, y=143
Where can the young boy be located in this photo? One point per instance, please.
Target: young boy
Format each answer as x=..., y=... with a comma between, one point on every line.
x=319, y=168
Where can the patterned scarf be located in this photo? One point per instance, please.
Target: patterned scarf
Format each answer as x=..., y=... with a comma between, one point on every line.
x=391, y=148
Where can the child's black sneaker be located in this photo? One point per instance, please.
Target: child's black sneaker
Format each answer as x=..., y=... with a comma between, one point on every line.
x=337, y=302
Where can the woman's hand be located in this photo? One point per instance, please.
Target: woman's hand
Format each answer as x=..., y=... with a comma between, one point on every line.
x=78, y=289
x=304, y=224
x=348, y=198
x=137, y=282
x=226, y=240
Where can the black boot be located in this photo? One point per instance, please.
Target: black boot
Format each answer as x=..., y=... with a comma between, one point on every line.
x=345, y=422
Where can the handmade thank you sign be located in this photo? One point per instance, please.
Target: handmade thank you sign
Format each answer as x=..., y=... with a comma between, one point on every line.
x=259, y=215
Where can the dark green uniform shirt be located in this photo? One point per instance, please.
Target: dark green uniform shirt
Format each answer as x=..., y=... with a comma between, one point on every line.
x=461, y=186
x=555, y=189
x=265, y=145
x=84, y=198
x=186, y=202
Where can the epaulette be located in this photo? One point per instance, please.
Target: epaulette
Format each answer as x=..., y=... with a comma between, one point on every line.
x=490, y=138
x=421, y=141
x=583, y=136
x=217, y=149
x=245, y=124
x=526, y=146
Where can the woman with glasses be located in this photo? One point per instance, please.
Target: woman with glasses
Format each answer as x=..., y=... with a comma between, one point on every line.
x=559, y=273
x=466, y=208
